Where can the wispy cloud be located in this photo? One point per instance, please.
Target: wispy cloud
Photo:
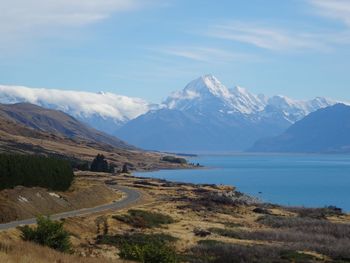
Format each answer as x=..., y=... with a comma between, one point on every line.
x=30, y=18
x=335, y=9
x=204, y=54
x=265, y=37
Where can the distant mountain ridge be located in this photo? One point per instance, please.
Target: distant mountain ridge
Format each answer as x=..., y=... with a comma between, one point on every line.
x=56, y=122
x=204, y=116
x=208, y=90
x=207, y=116
x=324, y=131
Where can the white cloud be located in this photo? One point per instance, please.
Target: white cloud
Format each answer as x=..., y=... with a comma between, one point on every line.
x=203, y=54
x=26, y=19
x=77, y=103
x=335, y=9
x=266, y=37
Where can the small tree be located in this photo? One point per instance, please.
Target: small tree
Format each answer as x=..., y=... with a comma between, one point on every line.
x=48, y=233
x=99, y=164
x=125, y=169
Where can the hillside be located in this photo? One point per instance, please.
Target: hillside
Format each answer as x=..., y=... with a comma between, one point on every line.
x=103, y=110
x=326, y=130
x=29, y=129
x=56, y=122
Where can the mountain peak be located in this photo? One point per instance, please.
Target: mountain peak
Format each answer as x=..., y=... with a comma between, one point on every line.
x=208, y=83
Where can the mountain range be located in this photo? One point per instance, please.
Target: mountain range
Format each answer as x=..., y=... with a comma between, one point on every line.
x=324, y=131
x=207, y=116
x=204, y=116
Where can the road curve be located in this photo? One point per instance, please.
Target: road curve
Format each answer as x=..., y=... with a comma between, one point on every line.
x=131, y=197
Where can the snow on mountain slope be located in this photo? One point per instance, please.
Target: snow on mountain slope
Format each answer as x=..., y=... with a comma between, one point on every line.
x=209, y=94
x=104, y=111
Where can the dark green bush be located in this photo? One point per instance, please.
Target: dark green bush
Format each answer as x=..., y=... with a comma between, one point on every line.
x=150, y=248
x=33, y=170
x=173, y=159
x=48, y=233
x=150, y=253
x=144, y=219
x=100, y=164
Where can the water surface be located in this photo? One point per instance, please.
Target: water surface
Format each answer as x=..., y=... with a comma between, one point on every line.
x=300, y=180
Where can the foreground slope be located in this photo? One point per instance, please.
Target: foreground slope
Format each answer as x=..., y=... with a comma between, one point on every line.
x=326, y=130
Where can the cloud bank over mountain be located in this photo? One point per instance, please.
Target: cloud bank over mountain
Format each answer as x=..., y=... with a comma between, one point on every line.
x=104, y=111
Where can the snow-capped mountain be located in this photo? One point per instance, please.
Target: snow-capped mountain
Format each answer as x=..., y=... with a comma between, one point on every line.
x=104, y=111
x=204, y=116
x=209, y=94
x=207, y=116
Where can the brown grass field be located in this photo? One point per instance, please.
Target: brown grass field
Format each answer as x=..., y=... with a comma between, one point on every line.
x=205, y=227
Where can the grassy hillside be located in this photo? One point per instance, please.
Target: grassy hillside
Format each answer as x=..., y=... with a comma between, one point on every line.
x=56, y=122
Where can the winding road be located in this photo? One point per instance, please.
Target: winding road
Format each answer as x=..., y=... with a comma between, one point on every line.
x=131, y=197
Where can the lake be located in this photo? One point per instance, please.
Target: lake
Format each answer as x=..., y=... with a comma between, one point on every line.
x=295, y=180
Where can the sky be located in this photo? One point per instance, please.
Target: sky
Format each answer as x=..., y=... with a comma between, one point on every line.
x=150, y=48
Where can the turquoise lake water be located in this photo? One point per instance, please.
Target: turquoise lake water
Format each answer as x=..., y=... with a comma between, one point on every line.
x=295, y=180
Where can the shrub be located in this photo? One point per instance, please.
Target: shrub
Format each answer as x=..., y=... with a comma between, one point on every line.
x=225, y=232
x=144, y=219
x=125, y=169
x=173, y=159
x=307, y=225
x=317, y=213
x=337, y=248
x=150, y=253
x=212, y=251
x=100, y=164
x=48, y=233
x=152, y=248
x=33, y=170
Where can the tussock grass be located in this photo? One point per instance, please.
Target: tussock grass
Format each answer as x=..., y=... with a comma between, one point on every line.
x=316, y=213
x=302, y=234
x=308, y=225
x=144, y=219
x=27, y=252
x=212, y=251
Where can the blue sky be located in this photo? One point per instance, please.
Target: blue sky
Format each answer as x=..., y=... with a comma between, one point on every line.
x=149, y=48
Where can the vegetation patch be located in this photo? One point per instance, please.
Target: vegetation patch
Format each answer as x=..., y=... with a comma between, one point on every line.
x=33, y=170
x=317, y=213
x=150, y=248
x=212, y=251
x=307, y=225
x=144, y=219
x=48, y=233
x=173, y=159
x=225, y=232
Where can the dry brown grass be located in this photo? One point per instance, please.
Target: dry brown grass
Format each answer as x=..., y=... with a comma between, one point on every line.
x=26, y=252
x=82, y=194
x=175, y=200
